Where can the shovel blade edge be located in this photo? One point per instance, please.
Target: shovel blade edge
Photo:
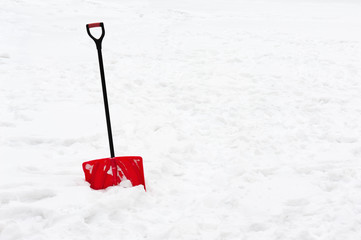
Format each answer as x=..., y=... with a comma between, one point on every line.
x=106, y=172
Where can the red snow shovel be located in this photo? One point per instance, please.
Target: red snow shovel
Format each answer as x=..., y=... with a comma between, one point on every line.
x=102, y=173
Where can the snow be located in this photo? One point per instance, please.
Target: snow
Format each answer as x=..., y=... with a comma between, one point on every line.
x=246, y=113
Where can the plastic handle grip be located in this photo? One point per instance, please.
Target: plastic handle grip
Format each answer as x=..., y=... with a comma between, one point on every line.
x=91, y=25
x=98, y=41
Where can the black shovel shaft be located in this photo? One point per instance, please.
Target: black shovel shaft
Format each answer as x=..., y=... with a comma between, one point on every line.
x=98, y=43
x=106, y=105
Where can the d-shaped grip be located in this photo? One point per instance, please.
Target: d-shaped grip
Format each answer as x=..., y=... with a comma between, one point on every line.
x=98, y=41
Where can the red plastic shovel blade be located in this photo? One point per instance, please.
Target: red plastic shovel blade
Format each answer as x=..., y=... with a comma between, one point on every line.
x=102, y=173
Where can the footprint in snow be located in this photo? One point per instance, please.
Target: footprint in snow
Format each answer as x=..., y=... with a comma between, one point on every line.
x=4, y=55
x=27, y=196
x=258, y=227
x=298, y=202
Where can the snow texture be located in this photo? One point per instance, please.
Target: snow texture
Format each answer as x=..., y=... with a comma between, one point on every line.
x=247, y=115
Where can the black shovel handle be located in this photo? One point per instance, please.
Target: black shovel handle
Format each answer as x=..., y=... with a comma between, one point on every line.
x=98, y=42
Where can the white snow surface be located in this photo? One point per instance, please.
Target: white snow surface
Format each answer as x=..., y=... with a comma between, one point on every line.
x=247, y=115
